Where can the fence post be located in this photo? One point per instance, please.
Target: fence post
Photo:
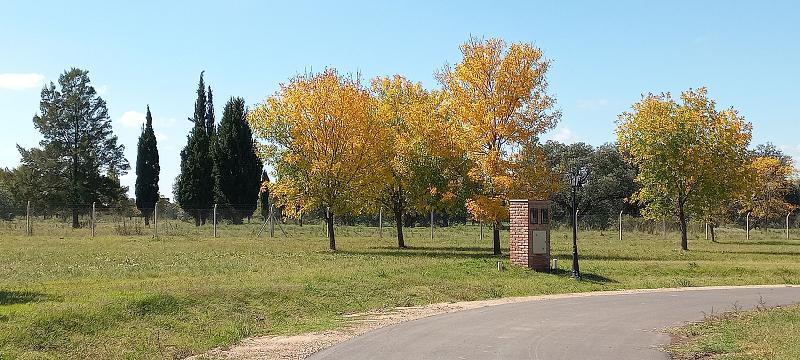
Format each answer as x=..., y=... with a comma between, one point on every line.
x=431, y=224
x=28, y=230
x=665, y=226
x=272, y=221
x=787, y=225
x=706, y=231
x=93, y=218
x=155, y=221
x=327, y=215
x=481, y=222
x=747, y=226
x=214, y=219
x=620, y=225
x=380, y=223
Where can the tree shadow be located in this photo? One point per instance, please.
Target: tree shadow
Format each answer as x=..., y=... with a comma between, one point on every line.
x=761, y=242
x=443, y=253
x=585, y=276
x=586, y=256
x=24, y=297
x=726, y=252
x=438, y=249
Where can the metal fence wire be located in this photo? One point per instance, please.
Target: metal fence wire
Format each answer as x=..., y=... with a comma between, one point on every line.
x=170, y=220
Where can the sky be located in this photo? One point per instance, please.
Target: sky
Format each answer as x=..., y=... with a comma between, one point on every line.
x=604, y=55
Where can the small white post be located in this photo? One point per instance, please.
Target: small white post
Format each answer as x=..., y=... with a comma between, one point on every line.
x=787, y=225
x=155, y=221
x=555, y=265
x=28, y=219
x=481, y=222
x=93, y=219
x=620, y=225
x=747, y=226
x=380, y=223
x=431, y=224
x=706, y=231
x=214, y=218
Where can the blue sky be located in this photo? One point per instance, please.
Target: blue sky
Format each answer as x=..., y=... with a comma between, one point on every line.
x=605, y=55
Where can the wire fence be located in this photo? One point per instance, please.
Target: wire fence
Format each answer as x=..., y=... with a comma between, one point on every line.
x=169, y=220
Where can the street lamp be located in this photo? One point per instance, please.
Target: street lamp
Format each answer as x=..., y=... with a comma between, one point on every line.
x=578, y=178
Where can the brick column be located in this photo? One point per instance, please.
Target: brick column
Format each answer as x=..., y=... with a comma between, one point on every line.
x=518, y=228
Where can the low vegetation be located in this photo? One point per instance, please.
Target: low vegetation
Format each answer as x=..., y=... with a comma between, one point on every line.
x=123, y=297
x=761, y=334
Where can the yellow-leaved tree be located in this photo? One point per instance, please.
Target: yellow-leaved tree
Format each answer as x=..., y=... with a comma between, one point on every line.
x=424, y=152
x=499, y=94
x=692, y=158
x=769, y=181
x=325, y=142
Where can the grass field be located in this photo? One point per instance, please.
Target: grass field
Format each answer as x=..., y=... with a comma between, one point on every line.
x=772, y=334
x=133, y=297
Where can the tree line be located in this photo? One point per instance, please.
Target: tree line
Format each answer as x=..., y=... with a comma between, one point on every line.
x=342, y=147
x=79, y=161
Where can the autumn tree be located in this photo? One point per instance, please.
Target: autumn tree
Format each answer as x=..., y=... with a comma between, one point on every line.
x=768, y=184
x=499, y=93
x=147, y=170
x=423, y=154
x=691, y=156
x=324, y=140
x=77, y=133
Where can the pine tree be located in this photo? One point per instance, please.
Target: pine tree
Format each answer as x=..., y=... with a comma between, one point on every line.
x=195, y=191
x=76, y=130
x=237, y=168
x=147, y=170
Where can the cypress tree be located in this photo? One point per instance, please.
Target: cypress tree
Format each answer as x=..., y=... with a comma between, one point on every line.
x=147, y=170
x=194, y=185
x=237, y=168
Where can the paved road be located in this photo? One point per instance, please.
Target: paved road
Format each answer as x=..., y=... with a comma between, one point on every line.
x=592, y=327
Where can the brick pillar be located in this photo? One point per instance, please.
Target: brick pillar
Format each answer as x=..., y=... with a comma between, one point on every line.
x=529, y=241
x=518, y=232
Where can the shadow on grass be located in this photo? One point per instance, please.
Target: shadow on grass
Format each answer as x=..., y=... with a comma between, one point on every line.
x=761, y=242
x=729, y=252
x=439, y=249
x=444, y=253
x=24, y=297
x=588, y=277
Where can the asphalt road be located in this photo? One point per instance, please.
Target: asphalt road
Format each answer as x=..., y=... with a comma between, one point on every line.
x=593, y=327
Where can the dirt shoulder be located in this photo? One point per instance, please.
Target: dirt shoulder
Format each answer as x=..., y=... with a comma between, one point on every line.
x=303, y=345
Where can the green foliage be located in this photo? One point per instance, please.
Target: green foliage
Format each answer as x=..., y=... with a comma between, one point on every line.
x=147, y=169
x=237, y=168
x=78, y=143
x=609, y=183
x=195, y=185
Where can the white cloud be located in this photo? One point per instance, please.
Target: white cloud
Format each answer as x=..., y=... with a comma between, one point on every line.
x=793, y=151
x=133, y=119
x=160, y=136
x=20, y=81
x=592, y=104
x=565, y=135
x=101, y=90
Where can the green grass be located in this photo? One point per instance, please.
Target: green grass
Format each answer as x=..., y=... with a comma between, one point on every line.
x=133, y=297
x=772, y=334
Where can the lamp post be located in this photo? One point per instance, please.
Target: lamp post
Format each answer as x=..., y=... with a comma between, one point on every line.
x=577, y=180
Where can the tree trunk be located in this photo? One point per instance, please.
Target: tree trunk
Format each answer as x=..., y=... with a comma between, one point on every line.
x=197, y=218
x=496, y=237
x=146, y=220
x=398, y=218
x=713, y=234
x=682, y=223
x=75, y=223
x=331, y=237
